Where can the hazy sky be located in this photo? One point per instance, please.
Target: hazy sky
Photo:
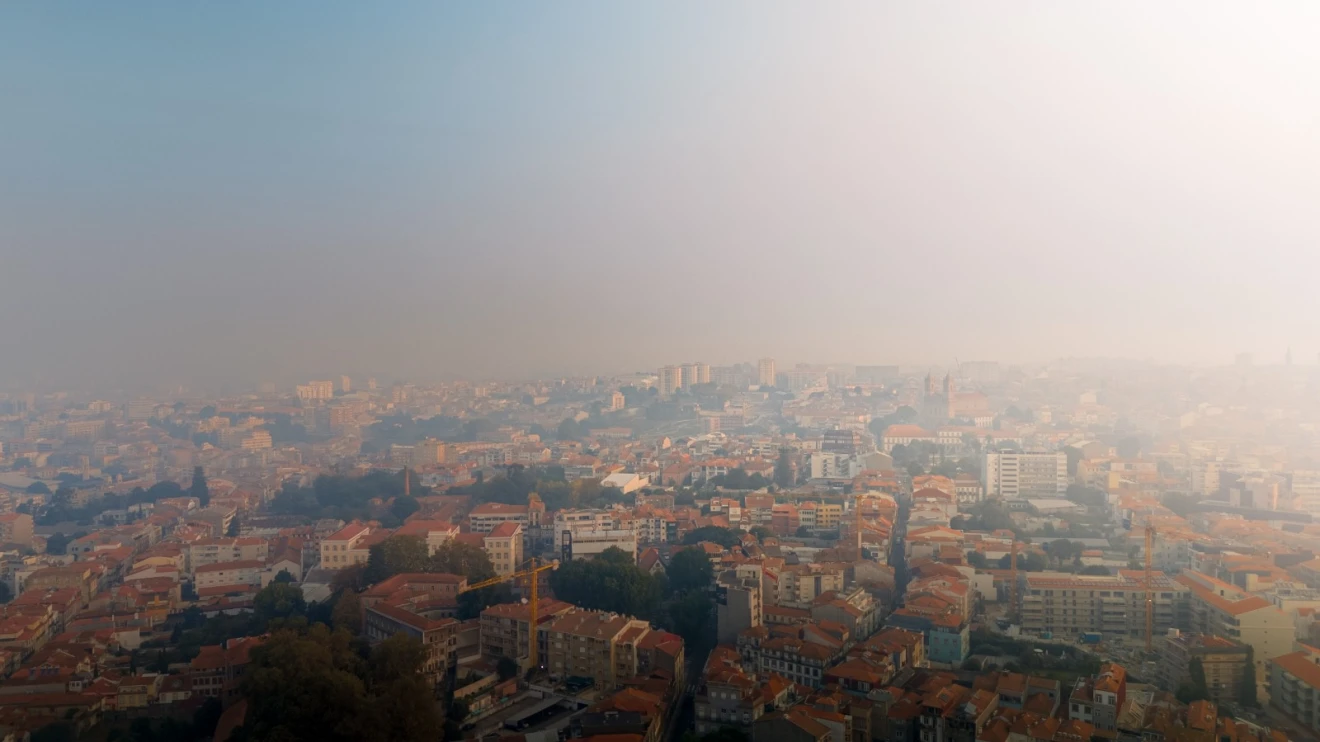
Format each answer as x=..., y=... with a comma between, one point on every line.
x=202, y=191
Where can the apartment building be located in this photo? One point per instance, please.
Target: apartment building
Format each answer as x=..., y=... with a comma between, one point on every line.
x=221, y=575
x=801, y=584
x=801, y=655
x=671, y=380
x=594, y=644
x=1223, y=660
x=257, y=440
x=1225, y=610
x=584, y=534
x=1295, y=687
x=219, y=550
x=729, y=696
x=439, y=636
x=737, y=602
x=486, y=516
x=504, y=546
x=315, y=391
x=1069, y=605
x=16, y=528
x=765, y=372
x=346, y=547
x=506, y=628
x=856, y=609
x=1098, y=700
x=1020, y=475
x=435, y=533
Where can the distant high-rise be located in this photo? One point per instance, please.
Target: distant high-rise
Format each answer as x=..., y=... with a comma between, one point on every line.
x=688, y=372
x=345, y=384
x=671, y=380
x=703, y=373
x=1012, y=475
x=371, y=384
x=765, y=372
x=315, y=391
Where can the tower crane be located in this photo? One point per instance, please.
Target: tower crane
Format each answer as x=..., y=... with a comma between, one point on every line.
x=534, y=573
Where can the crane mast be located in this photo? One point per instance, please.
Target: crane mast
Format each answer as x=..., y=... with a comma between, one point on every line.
x=533, y=573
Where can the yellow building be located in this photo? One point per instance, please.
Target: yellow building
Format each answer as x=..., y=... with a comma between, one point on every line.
x=828, y=515
x=504, y=546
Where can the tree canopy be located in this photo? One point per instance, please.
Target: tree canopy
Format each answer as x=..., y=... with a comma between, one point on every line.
x=199, y=488
x=513, y=487
x=316, y=685
x=346, y=498
x=784, y=475
x=738, y=479
x=715, y=534
x=610, y=582
x=690, y=569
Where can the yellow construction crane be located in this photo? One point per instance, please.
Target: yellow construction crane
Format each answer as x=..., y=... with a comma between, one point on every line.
x=534, y=573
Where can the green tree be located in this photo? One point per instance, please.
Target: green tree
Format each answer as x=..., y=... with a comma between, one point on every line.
x=462, y=559
x=347, y=614
x=506, y=667
x=1195, y=688
x=1247, y=685
x=60, y=731
x=207, y=717
x=57, y=543
x=689, y=615
x=762, y=533
x=610, y=582
x=472, y=602
x=570, y=430
x=715, y=534
x=784, y=477
x=977, y=560
x=803, y=532
x=37, y=488
x=690, y=569
x=279, y=600
x=1129, y=447
x=199, y=488
x=397, y=555
x=308, y=687
x=402, y=507
x=403, y=701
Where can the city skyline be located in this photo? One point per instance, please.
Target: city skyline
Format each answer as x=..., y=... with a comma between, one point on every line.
x=466, y=191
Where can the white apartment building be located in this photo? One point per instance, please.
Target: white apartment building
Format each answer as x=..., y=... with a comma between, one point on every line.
x=229, y=575
x=671, y=380
x=583, y=534
x=829, y=465
x=219, y=550
x=1306, y=490
x=1012, y=475
x=485, y=517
